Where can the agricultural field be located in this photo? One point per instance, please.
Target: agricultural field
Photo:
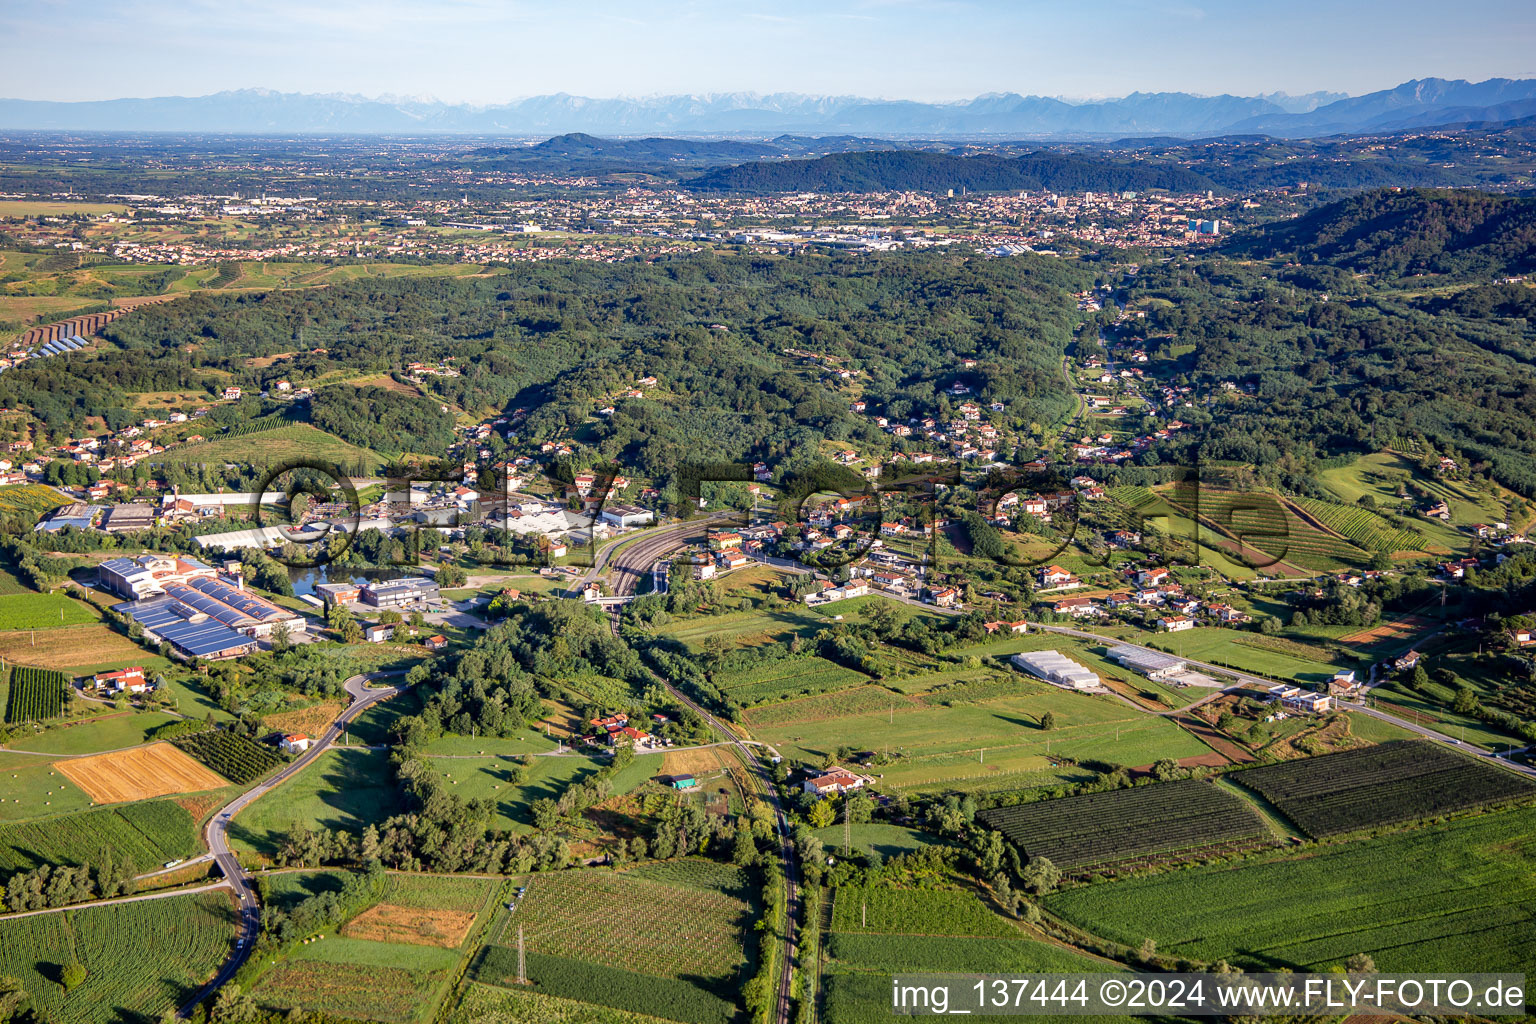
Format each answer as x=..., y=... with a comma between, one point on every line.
x=346, y=788
x=789, y=677
x=915, y=912
x=1387, y=784
x=600, y=984
x=490, y=778
x=43, y=611
x=1247, y=652
x=1160, y=823
x=745, y=629
x=1366, y=529
x=886, y=840
x=110, y=730
x=969, y=939
x=139, y=773
x=491, y=1004
x=74, y=649
x=684, y=931
x=391, y=993
x=990, y=743
x=1263, y=522
x=177, y=944
x=30, y=500
x=35, y=694
x=33, y=788
x=237, y=758
x=147, y=834
x=1458, y=896
x=680, y=930
x=299, y=440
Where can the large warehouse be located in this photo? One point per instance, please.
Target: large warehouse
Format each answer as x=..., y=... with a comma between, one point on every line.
x=1149, y=663
x=1055, y=667
x=209, y=618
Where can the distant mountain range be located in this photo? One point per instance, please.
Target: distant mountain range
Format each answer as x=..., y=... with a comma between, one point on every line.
x=1423, y=102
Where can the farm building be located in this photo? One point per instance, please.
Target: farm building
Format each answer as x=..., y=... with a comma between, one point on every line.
x=835, y=780
x=1149, y=663
x=684, y=782
x=130, y=680
x=295, y=743
x=1056, y=668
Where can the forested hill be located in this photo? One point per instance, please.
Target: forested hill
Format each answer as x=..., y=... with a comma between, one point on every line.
x=935, y=172
x=1416, y=231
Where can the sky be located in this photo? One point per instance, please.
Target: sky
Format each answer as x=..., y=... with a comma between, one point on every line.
x=493, y=51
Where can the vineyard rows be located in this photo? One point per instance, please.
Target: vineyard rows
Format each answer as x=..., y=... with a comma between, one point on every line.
x=392, y=995
x=1100, y=828
x=1386, y=784
x=1366, y=528
x=237, y=758
x=807, y=676
x=915, y=912
x=606, y=986
x=35, y=694
x=649, y=926
x=141, y=959
x=859, y=700
x=146, y=834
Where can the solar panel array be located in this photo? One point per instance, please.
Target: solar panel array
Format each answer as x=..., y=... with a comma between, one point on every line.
x=242, y=601
x=168, y=619
x=59, y=346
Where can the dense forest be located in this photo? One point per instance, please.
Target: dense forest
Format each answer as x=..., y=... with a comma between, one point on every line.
x=550, y=343
x=1336, y=366
x=1393, y=233
x=935, y=172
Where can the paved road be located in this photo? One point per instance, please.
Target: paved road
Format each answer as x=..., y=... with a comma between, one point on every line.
x=629, y=567
x=120, y=899
x=217, y=833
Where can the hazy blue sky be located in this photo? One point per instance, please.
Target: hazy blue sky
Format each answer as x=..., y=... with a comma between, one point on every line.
x=488, y=51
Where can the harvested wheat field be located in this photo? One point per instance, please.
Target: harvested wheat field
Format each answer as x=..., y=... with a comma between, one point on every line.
x=699, y=761
x=390, y=923
x=138, y=774
x=311, y=721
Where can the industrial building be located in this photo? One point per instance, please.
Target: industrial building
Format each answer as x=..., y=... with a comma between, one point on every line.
x=129, y=518
x=1151, y=664
x=147, y=575
x=1056, y=668
x=399, y=593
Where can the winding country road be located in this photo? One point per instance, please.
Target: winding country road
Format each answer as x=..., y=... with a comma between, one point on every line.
x=217, y=832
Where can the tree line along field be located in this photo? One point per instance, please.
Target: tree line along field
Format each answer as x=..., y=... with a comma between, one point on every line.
x=140, y=958
x=237, y=758
x=1387, y=784
x=147, y=834
x=35, y=694
x=1457, y=896
x=1163, y=822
